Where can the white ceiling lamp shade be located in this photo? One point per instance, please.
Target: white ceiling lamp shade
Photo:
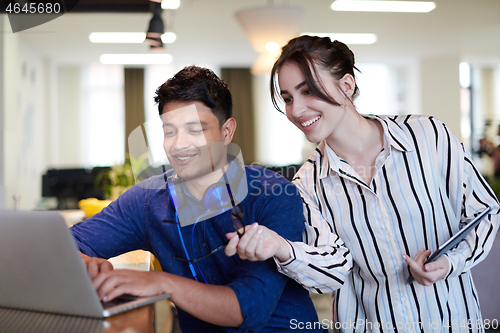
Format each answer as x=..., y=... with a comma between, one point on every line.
x=276, y=24
x=383, y=6
x=268, y=29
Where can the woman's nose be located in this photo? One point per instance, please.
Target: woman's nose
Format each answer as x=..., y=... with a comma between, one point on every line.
x=297, y=108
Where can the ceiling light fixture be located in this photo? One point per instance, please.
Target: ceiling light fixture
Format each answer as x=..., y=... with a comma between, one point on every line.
x=383, y=6
x=269, y=28
x=347, y=38
x=170, y=4
x=117, y=37
x=168, y=37
x=127, y=37
x=156, y=28
x=136, y=59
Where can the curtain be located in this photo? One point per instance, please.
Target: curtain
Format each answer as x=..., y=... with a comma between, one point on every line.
x=134, y=101
x=239, y=81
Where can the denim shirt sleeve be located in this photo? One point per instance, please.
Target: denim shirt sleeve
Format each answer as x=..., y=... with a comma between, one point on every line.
x=116, y=229
x=258, y=285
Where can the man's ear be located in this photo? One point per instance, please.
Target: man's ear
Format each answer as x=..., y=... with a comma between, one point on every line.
x=347, y=85
x=228, y=129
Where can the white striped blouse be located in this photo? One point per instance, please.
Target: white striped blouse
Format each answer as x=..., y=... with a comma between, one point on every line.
x=424, y=188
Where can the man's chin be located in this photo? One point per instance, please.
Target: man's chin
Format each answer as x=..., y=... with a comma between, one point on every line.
x=187, y=175
x=184, y=174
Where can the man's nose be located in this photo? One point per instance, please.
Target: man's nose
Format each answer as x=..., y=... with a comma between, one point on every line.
x=181, y=141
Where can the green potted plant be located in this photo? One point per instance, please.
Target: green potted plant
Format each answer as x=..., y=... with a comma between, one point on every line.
x=118, y=178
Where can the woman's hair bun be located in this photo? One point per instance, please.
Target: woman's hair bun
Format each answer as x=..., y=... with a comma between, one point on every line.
x=346, y=52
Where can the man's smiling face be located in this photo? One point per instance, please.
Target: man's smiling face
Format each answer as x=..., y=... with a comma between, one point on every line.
x=194, y=141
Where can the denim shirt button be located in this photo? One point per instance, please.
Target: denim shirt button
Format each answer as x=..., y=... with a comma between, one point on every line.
x=204, y=244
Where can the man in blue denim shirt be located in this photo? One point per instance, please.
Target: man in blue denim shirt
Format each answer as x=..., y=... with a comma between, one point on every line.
x=181, y=226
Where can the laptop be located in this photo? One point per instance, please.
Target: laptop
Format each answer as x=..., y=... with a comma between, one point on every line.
x=41, y=269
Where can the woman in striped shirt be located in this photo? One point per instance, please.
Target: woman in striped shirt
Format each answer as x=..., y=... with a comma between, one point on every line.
x=380, y=194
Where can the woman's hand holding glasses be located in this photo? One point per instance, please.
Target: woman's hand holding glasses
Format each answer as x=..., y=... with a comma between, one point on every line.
x=258, y=243
x=236, y=218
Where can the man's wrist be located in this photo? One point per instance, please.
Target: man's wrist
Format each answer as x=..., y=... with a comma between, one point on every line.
x=165, y=282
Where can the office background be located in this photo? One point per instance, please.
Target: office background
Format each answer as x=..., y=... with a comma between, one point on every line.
x=61, y=108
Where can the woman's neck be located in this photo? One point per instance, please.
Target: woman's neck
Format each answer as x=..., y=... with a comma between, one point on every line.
x=353, y=136
x=358, y=142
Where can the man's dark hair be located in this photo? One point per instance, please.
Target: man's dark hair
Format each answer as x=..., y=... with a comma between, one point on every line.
x=195, y=83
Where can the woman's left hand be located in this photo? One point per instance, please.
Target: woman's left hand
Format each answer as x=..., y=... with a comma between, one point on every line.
x=431, y=272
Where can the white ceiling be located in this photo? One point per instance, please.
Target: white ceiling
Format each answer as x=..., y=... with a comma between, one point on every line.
x=208, y=32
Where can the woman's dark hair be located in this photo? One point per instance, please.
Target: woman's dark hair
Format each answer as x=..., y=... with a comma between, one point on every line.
x=307, y=51
x=195, y=83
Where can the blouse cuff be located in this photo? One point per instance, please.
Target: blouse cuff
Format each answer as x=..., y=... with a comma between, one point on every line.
x=289, y=266
x=449, y=271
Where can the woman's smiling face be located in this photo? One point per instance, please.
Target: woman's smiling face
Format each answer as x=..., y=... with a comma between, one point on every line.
x=315, y=117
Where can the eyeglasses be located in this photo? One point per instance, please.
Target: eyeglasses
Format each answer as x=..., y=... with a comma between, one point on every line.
x=236, y=218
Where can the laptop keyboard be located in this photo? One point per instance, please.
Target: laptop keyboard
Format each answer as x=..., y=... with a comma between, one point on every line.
x=118, y=301
x=20, y=321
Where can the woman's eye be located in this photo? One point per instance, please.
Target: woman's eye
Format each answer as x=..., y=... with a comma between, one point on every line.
x=307, y=92
x=287, y=99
